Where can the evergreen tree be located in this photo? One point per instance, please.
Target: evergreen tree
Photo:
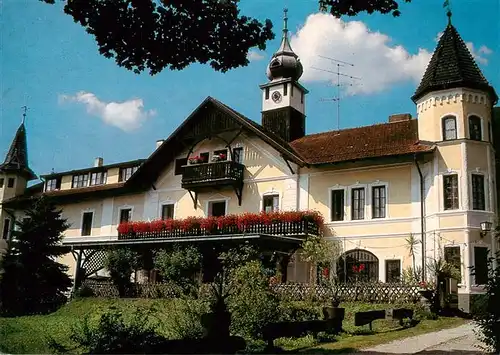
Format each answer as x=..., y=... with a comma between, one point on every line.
x=33, y=281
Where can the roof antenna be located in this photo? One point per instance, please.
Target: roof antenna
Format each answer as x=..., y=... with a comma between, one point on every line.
x=337, y=99
x=447, y=5
x=25, y=109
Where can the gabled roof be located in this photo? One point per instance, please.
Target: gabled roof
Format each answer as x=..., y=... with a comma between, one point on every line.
x=16, y=160
x=171, y=147
x=376, y=141
x=452, y=66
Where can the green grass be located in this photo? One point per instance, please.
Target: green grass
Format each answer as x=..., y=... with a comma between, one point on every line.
x=357, y=338
x=30, y=334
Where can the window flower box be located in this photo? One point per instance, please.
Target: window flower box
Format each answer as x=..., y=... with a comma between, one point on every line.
x=196, y=160
x=219, y=157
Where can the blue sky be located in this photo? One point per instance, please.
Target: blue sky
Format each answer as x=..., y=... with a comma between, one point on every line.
x=46, y=60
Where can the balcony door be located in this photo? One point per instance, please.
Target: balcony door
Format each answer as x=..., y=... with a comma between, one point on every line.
x=217, y=208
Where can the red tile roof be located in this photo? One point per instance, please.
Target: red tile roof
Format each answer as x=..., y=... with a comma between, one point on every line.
x=387, y=139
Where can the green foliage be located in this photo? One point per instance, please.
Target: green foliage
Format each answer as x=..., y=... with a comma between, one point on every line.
x=251, y=302
x=33, y=281
x=184, y=319
x=112, y=335
x=488, y=316
x=120, y=263
x=299, y=311
x=353, y=7
x=179, y=266
x=411, y=276
x=151, y=34
x=318, y=251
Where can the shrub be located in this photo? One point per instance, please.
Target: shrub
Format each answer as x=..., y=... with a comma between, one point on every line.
x=488, y=316
x=251, y=302
x=179, y=266
x=112, y=335
x=299, y=311
x=121, y=262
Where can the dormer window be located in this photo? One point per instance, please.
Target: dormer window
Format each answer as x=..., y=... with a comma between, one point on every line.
x=98, y=178
x=449, y=128
x=126, y=173
x=275, y=63
x=475, y=128
x=80, y=181
x=53, y=184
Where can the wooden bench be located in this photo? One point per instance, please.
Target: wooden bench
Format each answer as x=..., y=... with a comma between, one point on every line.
x=363, y=318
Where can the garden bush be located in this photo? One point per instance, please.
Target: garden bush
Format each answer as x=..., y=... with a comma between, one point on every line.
x=299, y=311
x=120, y=263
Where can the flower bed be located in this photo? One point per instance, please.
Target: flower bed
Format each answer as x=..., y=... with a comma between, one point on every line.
x=282, y=223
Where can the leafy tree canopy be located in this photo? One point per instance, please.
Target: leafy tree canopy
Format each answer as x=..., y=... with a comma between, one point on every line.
x=172, y=34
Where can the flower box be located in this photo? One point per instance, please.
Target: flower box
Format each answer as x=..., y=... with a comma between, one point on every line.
x=219, y=157
x=290, y=222
x=196, y=160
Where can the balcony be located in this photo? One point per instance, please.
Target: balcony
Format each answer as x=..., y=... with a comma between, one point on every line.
x=212, y=174
x=295, y=225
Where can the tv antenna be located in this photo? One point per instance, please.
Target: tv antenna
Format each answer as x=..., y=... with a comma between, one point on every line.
x=339, y=63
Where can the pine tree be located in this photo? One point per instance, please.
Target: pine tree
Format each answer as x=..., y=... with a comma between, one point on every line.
x=33, y=280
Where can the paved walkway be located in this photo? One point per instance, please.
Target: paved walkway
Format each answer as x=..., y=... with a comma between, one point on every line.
x=461, y=340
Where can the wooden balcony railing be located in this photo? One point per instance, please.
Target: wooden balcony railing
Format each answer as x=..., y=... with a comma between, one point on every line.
x=292, y=229
x=212, y=174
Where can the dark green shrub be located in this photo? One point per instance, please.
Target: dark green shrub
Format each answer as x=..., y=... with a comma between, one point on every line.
x=488, y=313
x=112, y=335
x=251, y=302
x=120, y=263
x=299, y=311
x=84, y=291
x=180, y=266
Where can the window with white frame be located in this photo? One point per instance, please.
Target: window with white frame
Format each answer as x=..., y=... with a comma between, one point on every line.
x=126, y=173
x=478, y=196
x=81, y=180
x=53, y=184
x=167, y=211
x=87, y=223
x=98, y=178
x=358, y=203
x=449, y=128
x=475, y=128
x=238, y=155
x=271, y=203
x=378, y=201
x=392, y=271
x=337, y=205
x=450, y=191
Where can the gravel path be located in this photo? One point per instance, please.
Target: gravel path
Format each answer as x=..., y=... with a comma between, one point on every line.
x=460, y=340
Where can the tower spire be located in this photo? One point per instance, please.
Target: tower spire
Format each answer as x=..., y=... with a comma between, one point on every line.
x=285, y=22
x=25, y=109
x=447, y=5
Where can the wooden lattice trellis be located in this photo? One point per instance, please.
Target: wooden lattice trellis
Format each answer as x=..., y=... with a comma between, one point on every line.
x=93, y=261
x=362, y=292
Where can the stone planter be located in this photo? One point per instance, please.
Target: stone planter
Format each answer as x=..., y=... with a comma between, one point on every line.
x=334, y=317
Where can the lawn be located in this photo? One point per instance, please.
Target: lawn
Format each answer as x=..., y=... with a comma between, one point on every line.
x=31, y=334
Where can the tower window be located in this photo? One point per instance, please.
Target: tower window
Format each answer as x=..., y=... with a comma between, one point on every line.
x=285, y=89
x=449, y=128
x=10, y=182
x=478, y=199
x=2, y=181
x=450, y=184
x=267, y=93
x=475, y=128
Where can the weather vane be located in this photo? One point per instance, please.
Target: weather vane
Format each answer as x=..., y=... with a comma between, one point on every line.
x=447, y=5
x=25, y=109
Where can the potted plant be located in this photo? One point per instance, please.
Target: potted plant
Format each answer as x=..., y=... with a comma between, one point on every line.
x=331, y=311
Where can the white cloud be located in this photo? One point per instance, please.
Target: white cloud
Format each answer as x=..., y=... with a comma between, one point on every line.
x=254, y=56
x=378, y=63
x=480, y=54
x=127, y=115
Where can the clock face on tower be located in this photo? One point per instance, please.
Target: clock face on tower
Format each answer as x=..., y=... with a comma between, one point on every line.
x=276, y=96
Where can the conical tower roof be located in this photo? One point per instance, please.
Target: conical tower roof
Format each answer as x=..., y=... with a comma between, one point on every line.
x=16, y=160
x=452, y=66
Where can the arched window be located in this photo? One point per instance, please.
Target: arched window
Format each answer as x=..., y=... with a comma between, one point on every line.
x=475, y=132
x=449, y=128
x=358, y=265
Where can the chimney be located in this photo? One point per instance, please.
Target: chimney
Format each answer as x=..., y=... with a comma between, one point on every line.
x=400, y=117
x=98, y=162
x=159, y=142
